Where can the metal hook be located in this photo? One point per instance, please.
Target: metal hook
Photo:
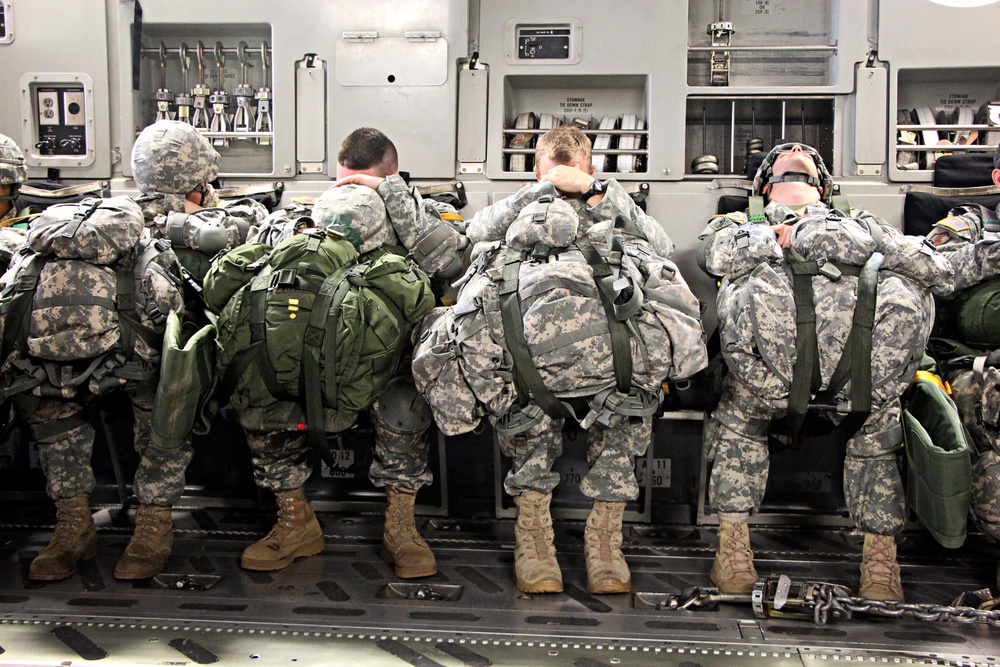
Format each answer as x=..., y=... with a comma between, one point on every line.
x=265, y=60
x=201, y=63
x=185, y=63
x=163, y=63
x=220, y=57
x=241, y=53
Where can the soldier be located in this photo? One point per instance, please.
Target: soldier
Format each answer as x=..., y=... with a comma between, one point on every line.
x=13, y=172
x=795, y=180
x=563, y=168
x=970, y=237
x=368, y=158
x=76, y=317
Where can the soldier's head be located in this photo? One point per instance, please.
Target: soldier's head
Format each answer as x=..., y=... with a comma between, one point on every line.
x=172, y=158
x=13, y=172
x=567, y=145
x=367, y=151
x=996, y=167
x=354, y=207
x=793, y=174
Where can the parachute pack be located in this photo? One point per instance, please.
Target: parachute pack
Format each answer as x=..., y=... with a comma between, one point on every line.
x=577, y=326
x=84, y=302
x=314, y=336
x=835, y=322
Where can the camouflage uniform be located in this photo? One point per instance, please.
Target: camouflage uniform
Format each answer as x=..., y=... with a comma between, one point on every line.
x=400, y=453
x=170, y=159
x=736, y=433
x=13, y=172
x=610, y=449
x=974, y=251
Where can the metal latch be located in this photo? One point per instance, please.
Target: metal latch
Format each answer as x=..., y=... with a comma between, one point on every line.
x=422, y=35
x=360, y=36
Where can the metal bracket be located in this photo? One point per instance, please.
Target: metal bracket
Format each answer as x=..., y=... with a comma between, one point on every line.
x=360, y=36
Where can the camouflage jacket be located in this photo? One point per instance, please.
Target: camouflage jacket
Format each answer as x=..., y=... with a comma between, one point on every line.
x=973, y=250
x=491, y=223
x=415, y=220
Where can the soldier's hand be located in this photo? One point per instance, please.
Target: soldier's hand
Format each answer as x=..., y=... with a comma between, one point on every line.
x=568, y=179
x=784, y=234
x=360, y=179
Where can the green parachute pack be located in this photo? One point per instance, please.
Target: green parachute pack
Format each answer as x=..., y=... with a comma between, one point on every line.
x=314, y=335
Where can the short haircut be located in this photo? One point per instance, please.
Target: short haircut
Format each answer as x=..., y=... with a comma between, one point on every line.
x=996, y=159
x=564, y=144
x=368, y=148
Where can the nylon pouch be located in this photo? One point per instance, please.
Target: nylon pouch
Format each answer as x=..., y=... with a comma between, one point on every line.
x=183, y=403
x=939, y=463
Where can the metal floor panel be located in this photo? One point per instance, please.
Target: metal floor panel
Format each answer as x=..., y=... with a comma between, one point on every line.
x=346, y=605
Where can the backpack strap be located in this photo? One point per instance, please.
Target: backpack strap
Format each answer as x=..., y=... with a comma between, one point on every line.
x=526, y=376
x=855, y=361
x=17, y=314
x=322, y=320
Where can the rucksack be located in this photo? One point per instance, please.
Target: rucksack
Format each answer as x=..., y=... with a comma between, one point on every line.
x=578, y=327
x=84, y=303
x=838, y=323
x=314, y=336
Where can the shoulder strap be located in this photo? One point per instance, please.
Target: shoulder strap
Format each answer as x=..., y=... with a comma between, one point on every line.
x=17, y=314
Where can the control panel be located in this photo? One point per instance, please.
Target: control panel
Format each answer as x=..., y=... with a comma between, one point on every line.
x=550, y=43
x=61, y=122
x=58, y=122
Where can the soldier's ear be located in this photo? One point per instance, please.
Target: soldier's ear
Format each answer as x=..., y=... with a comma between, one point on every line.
x=996, y=177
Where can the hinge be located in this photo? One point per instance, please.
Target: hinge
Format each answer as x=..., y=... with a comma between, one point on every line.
x=361, y=36
x=423, y=35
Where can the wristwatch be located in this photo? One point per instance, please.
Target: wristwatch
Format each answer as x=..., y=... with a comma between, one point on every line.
x=596, y=188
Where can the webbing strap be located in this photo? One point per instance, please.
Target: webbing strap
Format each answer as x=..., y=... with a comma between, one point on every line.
x=526, y=376
x=617, y=315
x=805, y=374
x=323, y=318
x=18, y=312
x=258, y=336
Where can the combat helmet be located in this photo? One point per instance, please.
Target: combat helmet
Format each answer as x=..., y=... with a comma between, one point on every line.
x=355, y=207
x=171, y=157
x=13, y=170
x=765, y=174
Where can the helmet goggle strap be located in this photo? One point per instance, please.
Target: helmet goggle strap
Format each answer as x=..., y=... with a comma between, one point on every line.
x=795, y=177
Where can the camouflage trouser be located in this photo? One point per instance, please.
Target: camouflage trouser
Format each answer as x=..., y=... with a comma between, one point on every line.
x=610, y=455
x=65, y=440
x=280, y=459
x=400, y=457
x=978, y=400
x=736, y=440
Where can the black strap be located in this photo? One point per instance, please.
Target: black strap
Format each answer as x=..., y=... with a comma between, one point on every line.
x=17, y=315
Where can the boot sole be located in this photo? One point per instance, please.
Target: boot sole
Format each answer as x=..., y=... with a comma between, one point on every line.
x=610, y=587
x=310, y=548
x=89, y=554
x=407, y=572
x=543, y=586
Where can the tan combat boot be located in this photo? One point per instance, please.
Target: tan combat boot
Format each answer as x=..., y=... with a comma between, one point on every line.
x=402, y=546
x=148, y=550
x=536, y=569
x=75, y=539
x=297, y=533
x=607, y=571
x=733, y=570
x=879, y=569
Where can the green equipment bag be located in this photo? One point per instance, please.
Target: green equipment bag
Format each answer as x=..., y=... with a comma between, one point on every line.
x=976, y=312
x=317, y=331
x=183, y=402
x=939, y=462
x=231, y=271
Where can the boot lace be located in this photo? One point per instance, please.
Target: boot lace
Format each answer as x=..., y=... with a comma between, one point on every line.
x=879, y=568
x=736, y=555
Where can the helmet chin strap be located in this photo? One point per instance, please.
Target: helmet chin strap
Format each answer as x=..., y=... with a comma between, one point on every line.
x=795, y=177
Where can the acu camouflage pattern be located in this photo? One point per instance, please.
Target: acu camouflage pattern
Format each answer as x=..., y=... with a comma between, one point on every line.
x=438, y=245
x=171, y=157
x=283, y=224
x=162, y=204
x=462, y=364
x=491, y=223
x=757, y=323
x=13, y=169
x=360, y=208
x=11, y=239
x=611, y=452
x=974, y=251
x=109, y=231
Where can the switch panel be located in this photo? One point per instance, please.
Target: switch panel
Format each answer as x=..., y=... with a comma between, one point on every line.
x=61, y=114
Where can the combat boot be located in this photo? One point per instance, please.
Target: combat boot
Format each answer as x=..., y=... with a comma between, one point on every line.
x=147, y=552
x=879, y=569
x=402, y=546
x=75, y=539
x=297, y=533
x=536, y=569
x=607, y=571
x=733, y=570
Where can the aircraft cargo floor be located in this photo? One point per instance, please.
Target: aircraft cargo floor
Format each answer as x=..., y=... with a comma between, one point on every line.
x=345, y=606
